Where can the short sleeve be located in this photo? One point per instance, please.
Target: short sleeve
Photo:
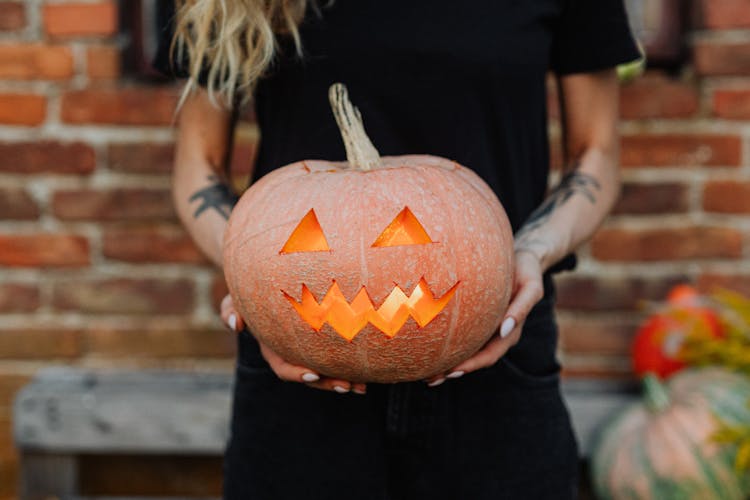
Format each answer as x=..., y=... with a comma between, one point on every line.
x=592, y=35
x=163, y=61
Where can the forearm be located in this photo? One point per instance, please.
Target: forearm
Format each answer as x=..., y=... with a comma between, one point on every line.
x=591, y=183
x=201, y=195
x=573, y=210
x=204, y=202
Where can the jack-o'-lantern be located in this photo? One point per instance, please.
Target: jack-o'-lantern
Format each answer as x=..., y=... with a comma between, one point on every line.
x=371, y=270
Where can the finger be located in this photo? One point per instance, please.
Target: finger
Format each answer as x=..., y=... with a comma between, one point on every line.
x=287, y=371
x=528, y=295
x=335, y=385
x=489, y=354
x=359, y=388
x=230, y=316
x=436, y=380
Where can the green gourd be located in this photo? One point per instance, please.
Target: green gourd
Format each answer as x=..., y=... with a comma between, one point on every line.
x=662, y=447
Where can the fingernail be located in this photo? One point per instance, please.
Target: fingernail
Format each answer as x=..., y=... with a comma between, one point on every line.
x=508, y=325
x=233, y=322
x=361, y=392
x=340, y=390
x=310, y=377
x=456, y=374
x=436, y=383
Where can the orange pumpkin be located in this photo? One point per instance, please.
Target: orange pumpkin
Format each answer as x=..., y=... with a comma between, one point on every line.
x=375, y=269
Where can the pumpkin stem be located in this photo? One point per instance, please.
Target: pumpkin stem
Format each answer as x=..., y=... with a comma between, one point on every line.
x=655, y=394
x=360, y=152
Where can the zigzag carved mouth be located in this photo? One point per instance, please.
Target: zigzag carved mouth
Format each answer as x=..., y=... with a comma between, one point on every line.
x=349, y=318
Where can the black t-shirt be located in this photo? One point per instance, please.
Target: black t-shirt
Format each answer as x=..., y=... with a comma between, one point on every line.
x=462, y=80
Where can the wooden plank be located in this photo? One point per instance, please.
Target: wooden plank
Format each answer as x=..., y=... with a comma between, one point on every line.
x=153, y=412
x=44, y=475
x=75, y=411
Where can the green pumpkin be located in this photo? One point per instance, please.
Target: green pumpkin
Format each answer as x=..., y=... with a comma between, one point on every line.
x=662, y=448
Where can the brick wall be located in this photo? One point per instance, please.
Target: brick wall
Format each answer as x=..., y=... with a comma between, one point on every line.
x=95, y=270
x=684, y=214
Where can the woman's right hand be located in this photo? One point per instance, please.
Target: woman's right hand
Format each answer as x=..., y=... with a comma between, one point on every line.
x=284, y=370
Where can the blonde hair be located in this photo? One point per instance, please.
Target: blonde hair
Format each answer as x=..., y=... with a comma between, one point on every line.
x=232, y=41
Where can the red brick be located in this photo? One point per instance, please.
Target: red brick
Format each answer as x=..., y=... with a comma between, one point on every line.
x=553, y=99
x=15, y=297
x=153, y=342
x=726, y=14
x=585, y=293
x=35, y=62
x=219, y=290
x=727, y=197
x=142, y=158
x=22, y=109
x=16, y=204
x=710, y=282
x=243, y=158
x=681, y=150
x=698, y=242
x=151, y=244
x=556, y=154
x=113, y=204
x=125, y=106
x=42, y=344
x=125, y=296
x=603, y=336
x=43, y=250
x=10, y=384
x=721, y=59
x=47, y=157
x=732, y=104
x=80, y=19
x=656, y=198
x=658, y=96
x=103, y=62
x=12, y=16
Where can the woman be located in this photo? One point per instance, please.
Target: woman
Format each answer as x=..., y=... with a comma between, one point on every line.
x=463, y=80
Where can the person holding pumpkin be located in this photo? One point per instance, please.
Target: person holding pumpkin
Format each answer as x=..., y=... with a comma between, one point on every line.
x=466, y=81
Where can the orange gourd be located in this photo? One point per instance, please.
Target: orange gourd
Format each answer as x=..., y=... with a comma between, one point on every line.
x=375, y=269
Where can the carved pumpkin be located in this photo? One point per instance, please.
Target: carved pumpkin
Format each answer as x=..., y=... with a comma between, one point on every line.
x=664, y=447
x=376, y=269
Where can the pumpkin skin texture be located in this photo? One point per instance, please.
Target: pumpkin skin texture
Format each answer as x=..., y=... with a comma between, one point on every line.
x=662, y=448
x=471, y=253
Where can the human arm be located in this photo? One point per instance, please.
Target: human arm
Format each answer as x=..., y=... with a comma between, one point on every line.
x=204, y=201
x=573, y=210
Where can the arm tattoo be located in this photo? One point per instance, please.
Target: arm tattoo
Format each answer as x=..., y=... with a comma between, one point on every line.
x=217, y=196
x=571, y=184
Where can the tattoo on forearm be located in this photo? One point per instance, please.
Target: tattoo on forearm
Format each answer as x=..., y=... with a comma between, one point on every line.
x=217, y=196
x=571, y=184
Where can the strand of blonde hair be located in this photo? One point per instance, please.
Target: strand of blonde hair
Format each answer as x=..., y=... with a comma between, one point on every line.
x=233, y=41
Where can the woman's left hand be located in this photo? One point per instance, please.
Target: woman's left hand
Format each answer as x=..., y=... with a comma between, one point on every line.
x=528, y=289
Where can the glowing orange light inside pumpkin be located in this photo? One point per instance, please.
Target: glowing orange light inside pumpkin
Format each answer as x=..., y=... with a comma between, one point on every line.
x=348, y=319
x=307, y=236
x=405, y=229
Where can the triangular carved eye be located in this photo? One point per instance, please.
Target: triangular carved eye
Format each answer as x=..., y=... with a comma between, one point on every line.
x=307, y=236
x=405, y=229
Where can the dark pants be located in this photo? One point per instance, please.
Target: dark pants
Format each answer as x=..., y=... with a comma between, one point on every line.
x=498, y=433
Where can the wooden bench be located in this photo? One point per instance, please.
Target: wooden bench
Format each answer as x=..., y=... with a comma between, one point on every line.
x=65, y=413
